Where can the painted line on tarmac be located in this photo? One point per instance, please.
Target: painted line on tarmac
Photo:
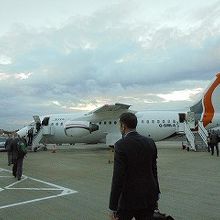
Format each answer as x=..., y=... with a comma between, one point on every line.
x=1, y=170
x=53, y=187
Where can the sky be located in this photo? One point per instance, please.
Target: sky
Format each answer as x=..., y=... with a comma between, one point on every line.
x=67, y=56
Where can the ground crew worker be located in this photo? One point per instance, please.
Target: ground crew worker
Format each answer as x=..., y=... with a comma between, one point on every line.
x=214, y=142
x=30, y=136
x=38, y=126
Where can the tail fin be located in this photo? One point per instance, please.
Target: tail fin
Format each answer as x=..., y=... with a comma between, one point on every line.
x=206, y=108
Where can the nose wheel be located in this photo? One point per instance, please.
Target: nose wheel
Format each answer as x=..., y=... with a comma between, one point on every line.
x=44, y=148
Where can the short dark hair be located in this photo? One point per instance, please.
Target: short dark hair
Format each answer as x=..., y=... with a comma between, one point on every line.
x=129, y=119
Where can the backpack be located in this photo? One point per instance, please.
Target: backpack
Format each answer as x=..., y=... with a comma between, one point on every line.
x=22, y=148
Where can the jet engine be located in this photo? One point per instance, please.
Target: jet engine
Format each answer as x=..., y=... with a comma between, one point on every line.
x=79, y=129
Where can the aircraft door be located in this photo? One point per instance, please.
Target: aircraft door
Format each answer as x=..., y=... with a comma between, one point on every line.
x=45, y=121
x=182, y=117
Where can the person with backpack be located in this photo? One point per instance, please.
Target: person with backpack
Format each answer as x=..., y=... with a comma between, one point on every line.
x=19, y=150
x=8, y=149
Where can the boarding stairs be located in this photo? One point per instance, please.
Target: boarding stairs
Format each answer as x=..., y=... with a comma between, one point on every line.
x=43, y=133
x=196, y=140
x=201, y=138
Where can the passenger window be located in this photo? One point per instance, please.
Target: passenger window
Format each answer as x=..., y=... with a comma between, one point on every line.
x=158, y=121
x=174, y=121
x=104, y=122
x=100, y=122
x=168, y=121
x=163, y=121
x=147, y=121
x=142, y=121
x=61, y=124
x=115, y=122
x=152, y=121
x=110, y=122
x=52, y=124
x=56, y=124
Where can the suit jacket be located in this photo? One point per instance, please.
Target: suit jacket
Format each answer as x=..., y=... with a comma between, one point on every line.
x=14, y=150
x=134, y=183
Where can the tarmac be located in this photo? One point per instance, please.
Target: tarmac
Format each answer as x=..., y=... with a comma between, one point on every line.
x=74, y=184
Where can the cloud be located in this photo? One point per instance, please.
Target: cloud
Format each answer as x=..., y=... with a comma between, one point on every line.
x=183, y=95
x=4, y=76
x=15, y=76
x=22, y=76
x=4, y=60
x=113, y=55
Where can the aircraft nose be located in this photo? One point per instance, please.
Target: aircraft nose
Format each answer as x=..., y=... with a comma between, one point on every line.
x=22, y=132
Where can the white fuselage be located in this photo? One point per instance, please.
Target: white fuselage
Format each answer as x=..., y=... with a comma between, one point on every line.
x=155, y=124
x=101, y=125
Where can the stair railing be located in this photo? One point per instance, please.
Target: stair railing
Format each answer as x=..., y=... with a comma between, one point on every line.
x=37, y=139
x=203, y=132
x=189, y=136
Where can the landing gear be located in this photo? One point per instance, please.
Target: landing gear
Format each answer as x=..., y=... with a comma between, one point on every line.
x=44, y=148
x=111, y=159
x=183, y=146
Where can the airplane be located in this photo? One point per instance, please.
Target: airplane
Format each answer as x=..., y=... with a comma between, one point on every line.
x=102, y=124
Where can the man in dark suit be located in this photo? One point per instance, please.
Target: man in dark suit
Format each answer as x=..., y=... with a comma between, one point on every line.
x=135, y=187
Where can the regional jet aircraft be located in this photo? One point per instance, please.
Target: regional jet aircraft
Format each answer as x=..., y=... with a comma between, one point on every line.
x=101, y=125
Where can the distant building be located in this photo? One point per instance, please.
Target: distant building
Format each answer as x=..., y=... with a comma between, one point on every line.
x=5, y=133
x=1, y=131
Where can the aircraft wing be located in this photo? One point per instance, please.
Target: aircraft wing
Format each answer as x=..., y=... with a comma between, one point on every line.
x=109, y=113
x=110, y=108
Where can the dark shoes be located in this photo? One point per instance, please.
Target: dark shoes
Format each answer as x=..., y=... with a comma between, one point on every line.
x=19, y=178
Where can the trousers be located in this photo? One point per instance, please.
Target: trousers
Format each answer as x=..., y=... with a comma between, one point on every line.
x=18, y=168
x=216, y=147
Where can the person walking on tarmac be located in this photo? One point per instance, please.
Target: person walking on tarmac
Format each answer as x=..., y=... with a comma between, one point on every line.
x=18, y=146
x=30, y=136
x=38, y=126
x=135, y=187
x=214, y=139
x=208, y=141
x=8, y=143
